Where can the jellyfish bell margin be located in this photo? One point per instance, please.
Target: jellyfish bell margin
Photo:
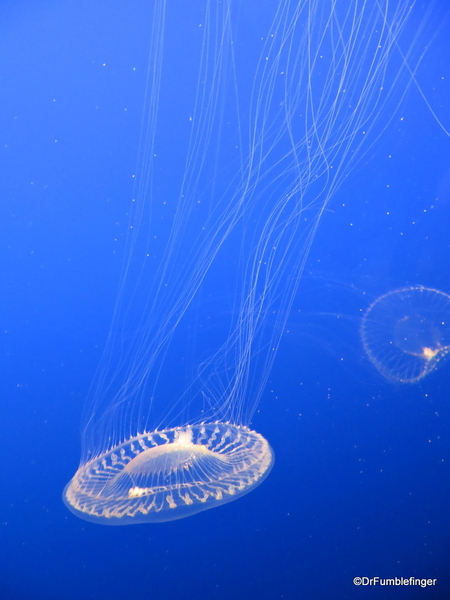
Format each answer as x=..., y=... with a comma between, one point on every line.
x=170, y=474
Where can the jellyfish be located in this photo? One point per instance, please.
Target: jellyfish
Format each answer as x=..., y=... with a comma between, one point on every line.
x=168, y=475
x=246, y=138
x=406, y=333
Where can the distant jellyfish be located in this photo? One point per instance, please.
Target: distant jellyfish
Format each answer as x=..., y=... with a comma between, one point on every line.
x=248, y=131
x=406, y=333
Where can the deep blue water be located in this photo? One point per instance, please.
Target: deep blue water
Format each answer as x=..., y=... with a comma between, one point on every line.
x=360, y=485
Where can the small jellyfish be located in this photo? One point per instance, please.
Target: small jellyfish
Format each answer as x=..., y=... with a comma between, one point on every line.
x=406, y=333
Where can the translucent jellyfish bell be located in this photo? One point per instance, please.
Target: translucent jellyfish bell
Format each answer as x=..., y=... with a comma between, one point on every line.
x=169, y=475
x=406, y=333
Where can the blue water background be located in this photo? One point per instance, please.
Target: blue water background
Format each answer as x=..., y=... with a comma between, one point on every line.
x=360, y=485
